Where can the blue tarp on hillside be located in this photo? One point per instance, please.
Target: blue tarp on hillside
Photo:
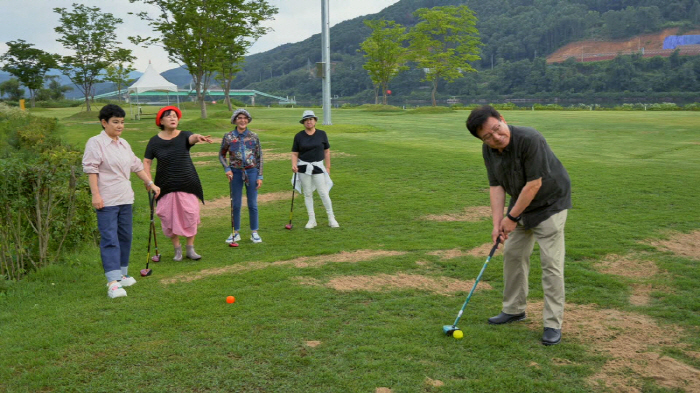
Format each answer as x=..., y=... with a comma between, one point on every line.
x=672, y=41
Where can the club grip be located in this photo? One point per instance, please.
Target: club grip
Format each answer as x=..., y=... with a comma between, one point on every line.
x=495, y=247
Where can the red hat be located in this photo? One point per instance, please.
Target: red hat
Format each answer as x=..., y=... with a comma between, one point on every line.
x=165, y=109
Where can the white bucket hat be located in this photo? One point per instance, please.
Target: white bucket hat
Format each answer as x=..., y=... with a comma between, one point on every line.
x=307, y=115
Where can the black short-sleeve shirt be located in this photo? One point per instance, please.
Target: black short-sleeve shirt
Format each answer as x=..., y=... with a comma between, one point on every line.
x=311, y=147
x=528, y=157
x=174, y=170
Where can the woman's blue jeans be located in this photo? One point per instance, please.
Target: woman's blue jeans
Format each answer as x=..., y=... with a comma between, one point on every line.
x=115, y=225
x=236, y=185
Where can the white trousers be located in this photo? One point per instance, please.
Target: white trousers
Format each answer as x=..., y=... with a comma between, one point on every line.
x=308, y=183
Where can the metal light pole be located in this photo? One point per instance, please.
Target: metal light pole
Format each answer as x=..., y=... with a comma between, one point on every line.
x=326, y=59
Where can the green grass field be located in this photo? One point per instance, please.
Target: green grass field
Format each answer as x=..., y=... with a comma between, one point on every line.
x=328, y=324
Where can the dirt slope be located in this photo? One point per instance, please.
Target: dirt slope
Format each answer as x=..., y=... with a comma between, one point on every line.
x=589, y=49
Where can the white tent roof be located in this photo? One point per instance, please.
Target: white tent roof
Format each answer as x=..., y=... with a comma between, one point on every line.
x=151, y=80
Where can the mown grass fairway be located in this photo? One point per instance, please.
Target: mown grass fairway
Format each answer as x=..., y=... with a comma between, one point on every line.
x=356, y=323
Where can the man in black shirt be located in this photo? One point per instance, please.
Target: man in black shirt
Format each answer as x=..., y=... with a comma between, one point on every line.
x=520, y=163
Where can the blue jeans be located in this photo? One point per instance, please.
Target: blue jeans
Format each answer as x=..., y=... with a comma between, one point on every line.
x=236, y=185
x=115, y=223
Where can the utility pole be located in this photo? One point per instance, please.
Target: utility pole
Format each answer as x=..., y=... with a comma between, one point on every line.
x=326, y=59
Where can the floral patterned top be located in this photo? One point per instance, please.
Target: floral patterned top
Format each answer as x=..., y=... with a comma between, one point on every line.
x=243, y=149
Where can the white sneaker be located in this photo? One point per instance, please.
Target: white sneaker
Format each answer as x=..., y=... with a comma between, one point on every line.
x=234, y=238
x=127, y=281
x=311, y=223
x=333, y=223
x=255, y=238
x=115, y=290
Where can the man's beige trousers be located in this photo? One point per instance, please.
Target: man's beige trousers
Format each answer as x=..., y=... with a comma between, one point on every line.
x=516, y=267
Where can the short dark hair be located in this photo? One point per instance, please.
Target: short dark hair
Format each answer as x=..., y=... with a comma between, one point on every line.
x=162, y=115
x=109, y=111
x=479, y=116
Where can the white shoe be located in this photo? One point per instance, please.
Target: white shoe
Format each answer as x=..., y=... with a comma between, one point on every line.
x=311, y=223
x=255, y=238
x=127, y=281
x=333, y=223
x=234, y=238
x=115, y=290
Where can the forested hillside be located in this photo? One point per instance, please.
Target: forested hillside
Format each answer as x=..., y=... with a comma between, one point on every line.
x=514, y=34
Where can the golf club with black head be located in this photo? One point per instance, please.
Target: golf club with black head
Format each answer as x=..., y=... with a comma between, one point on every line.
x=291, y=211
x=151, y=233
x=233, y=231
x=450, y=329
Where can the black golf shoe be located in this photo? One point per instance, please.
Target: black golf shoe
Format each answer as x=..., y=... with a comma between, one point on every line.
x=502, y=318
x=551, y=336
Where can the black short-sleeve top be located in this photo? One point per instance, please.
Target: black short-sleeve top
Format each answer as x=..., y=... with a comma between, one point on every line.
x=528, y=157
x=311, y=148
x=175, y=170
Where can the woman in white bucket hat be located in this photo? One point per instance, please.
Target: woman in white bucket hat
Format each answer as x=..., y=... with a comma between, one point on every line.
x=311, y=161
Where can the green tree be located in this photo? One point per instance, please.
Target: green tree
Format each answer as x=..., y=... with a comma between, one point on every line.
x=54, y=90
x=90, y=34
x=385, y=53
x=11, y=88
x=29, y=65
x=444, y=43
x=118, y=73
x=198, y=33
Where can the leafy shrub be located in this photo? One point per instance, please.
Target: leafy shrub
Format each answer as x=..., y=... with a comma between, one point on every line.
x=46, y=202
x=692, y=107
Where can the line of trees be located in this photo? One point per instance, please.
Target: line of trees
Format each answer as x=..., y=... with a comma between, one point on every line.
x=205, y=36
x=444, y=43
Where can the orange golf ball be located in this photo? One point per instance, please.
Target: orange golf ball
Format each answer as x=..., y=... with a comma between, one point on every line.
x=230, y=299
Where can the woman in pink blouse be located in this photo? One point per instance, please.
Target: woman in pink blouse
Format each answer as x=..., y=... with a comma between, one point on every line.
x=108, y=160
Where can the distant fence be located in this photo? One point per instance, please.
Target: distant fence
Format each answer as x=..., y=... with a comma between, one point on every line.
x=685, y=50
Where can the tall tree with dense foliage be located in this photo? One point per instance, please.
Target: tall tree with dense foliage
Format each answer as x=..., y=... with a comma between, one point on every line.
x=444, y=43
x=385, y=53
x=118, y=73
x=29, y=65
x=11, y=89
x=199, y=33
x=90, y=34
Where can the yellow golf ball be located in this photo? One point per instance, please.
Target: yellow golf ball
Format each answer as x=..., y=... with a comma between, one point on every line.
x=458, y=334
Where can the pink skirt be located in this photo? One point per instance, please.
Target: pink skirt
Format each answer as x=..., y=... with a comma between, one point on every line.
x=179, y=214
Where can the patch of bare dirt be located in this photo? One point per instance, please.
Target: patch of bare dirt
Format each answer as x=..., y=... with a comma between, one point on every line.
x=640, y=294
x=312, y=344
x=683, y=244
x=632, y=340
x=387, y=282
x=383, y=390
x=303, y=262
x=470, y=214
x=270, y=155
x=217, y=207
x=434, y=382
x=205, y=154
x=627, y=266
x=481, y=251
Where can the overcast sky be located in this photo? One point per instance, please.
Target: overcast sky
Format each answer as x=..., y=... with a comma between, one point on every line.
x=34, y=21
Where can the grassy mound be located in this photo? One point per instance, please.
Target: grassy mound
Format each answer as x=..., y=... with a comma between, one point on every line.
x=430, y=110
